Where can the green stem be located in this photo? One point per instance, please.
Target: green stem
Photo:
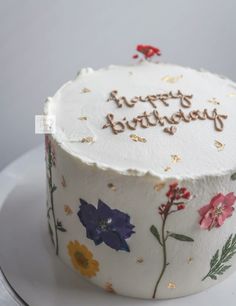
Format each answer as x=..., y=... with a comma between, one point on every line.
x=48, y=212
x=164, y=257
x=51, y=199
x=214, y=270
x=205, y=277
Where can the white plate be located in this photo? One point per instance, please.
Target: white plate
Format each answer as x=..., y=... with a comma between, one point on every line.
x=27, y=256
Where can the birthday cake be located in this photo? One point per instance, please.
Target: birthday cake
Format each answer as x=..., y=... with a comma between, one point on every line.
x=141, y=177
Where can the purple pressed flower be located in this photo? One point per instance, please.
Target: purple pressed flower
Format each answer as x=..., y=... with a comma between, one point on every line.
x=107, y=225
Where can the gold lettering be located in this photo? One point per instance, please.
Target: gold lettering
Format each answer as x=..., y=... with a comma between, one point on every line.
x=117, y=126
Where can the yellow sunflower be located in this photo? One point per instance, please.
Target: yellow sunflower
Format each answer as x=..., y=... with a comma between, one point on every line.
x=82, y=259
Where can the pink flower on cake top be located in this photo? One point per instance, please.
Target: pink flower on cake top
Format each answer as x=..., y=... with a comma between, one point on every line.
x=217, y=211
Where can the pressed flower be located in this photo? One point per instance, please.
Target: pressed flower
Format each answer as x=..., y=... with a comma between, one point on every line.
x=109, y=287
x=82, y=259
x=147, y=51
x=177, y=193
x=50, y=150
x=176, y=199
x=50, y=157
x=107, y=225
x=180, y=206
x=186, y=195
x=217, y=211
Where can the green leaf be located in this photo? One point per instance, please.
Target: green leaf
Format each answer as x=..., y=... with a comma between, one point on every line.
x=51, y=233
x=217, y=263
x=229, y=256
x=233, y=177
x=223, y=269
x=155, y=233
x=234, y=240
x=227, y=244
x=214, y=259
x=54, y=188
x=48, y=212
x=61, y=229
x=59, y=223
x=213, y=277
x=181, y=237
x=60, y=226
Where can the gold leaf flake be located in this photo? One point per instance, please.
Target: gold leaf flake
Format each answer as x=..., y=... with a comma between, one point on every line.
x=140, y=260
x=168, y=168
x=171, y=285
x=171, y=79
x=214, y=101
x=63, y=181
x=170, y=130
x=189, y=260
x=109, y=288
x=158, y=186
x=68, y=210
x=175, y=158
x=88, y=139
x=85, y=90
x=219, y=145
x=112, y=186
x=232, y=94
x=83, y=118
x=137, y=138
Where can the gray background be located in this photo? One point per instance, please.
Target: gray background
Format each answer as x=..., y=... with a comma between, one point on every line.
x=44, y=43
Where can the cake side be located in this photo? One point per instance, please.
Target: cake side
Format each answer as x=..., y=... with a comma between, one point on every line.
x=137, y=235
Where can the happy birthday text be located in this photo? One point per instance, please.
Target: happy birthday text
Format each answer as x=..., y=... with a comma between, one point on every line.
x=154, y=118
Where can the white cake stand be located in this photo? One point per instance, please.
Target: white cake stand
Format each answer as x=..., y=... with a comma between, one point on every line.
x=27, y=257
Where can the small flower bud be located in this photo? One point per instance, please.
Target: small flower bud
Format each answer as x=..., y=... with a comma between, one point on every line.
x=180, y=206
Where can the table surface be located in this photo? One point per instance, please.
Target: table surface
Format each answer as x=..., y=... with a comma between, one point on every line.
x=7, y=295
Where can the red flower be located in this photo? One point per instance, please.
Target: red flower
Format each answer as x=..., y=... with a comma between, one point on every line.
x=176, y=193
x=217, y=211
x=180, y=206
x=147, y=50
x=176, y=196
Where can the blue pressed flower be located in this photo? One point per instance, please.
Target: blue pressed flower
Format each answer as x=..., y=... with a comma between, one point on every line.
x=107, y=225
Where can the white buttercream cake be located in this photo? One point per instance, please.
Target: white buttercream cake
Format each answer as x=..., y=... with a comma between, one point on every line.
x=141, y=178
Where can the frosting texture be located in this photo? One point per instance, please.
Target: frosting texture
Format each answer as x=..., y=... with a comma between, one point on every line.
x=134, y=119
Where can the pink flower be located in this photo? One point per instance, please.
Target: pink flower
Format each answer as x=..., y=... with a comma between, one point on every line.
x=217, y=211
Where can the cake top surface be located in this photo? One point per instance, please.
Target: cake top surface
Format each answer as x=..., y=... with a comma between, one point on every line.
x=162, y=119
